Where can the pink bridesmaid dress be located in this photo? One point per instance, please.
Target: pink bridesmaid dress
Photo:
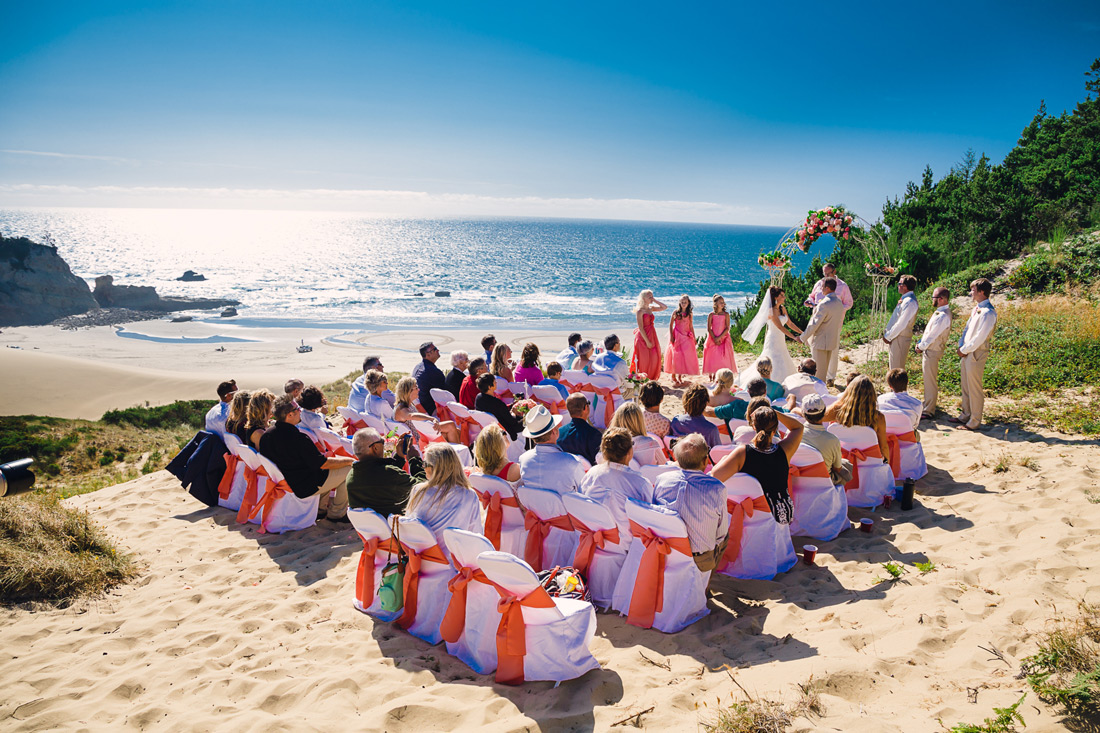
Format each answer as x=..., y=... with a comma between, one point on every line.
x=717, y=357
x=646, y=360
x=681, y=357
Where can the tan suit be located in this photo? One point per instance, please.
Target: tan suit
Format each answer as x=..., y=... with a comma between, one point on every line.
x=899, y=330
x=974, y=344
x=937, y=333
x=823, y=331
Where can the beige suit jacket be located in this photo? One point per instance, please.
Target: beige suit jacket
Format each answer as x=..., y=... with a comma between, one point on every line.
x=823, y=330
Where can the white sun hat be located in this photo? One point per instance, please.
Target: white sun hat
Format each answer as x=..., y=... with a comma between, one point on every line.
x=539, y=422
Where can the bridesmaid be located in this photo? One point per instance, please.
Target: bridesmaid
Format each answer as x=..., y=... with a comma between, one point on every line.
x=646, y=358
x=718, y=352
x=681, y=356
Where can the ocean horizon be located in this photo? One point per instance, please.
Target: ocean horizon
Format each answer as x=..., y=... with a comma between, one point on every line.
x=355, y=271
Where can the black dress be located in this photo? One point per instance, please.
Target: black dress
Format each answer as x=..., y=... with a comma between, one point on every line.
x=771, y=468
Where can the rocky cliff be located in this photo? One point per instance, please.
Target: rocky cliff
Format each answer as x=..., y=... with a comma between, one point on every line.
x=143, y=297
x=37, y=286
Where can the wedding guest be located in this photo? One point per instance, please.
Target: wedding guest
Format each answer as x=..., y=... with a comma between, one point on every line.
x=681, y=357
x=937, y=332
x=380, y=483
x=744, y=433
x=260, y=408
x=718, y=351
x=898, y=399
x=646, y=358
x=899, y=329
x=735, y=408
x=804, y=382
x=460, y=361
x=583, y=362
x=973, y=351
x=547, y=466
x=723, y=388
x=858, y=405
x=376, y=404
x=487, y=401
x=358, y=397
x=553, y=374
x=652, y=395
x=613, y=482
x=405, y=412
x=501, y=366
x=236, y=422
x=313, y=404
x=763, y=367
x=217, y=416
x=468, y=393
x=579, y=437
x=692, y=421
x=817, y=294
x=490, y=452
x=566, y=357
x=648, y=451
x=610, y=361
x=428, y=376
x=698, y=499
x=489, y=343
x=820, y=439
x=293, y=388
x=445, y=498
x=307, y=470
x=530, y=370
x=767, y=461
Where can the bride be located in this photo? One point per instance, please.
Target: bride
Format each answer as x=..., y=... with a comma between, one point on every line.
x=780, y=328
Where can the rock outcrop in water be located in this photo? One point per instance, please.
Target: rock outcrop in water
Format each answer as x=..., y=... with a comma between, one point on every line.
x=143, y=297
x=37, y=286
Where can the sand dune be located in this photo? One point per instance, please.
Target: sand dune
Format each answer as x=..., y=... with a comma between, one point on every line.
x=231, y=629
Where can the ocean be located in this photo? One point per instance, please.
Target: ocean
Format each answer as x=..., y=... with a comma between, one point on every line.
x=375, y=272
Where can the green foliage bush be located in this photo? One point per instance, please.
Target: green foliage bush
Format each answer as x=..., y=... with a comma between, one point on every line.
x=191, y=413
x=1065, y=671
x=1076, y=261
x=959, y=283
x=22, y=437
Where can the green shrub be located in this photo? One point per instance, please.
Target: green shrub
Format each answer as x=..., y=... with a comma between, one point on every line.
x=1066, y=669
x=959, y=282
x=1004, y=722
x=1036, y=274
x=191, y=413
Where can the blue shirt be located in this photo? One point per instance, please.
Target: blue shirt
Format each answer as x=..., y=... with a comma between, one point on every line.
x=700, y=500
x=556, y=385
x=580, y=439
x=609, y=361
x=215, y=418
x=684, y=425
x=546, y=466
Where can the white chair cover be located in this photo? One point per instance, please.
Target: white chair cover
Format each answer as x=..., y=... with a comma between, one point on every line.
x=372, y=525
x=876, y=479
x=477, y=646
x=512, y=532
x=820, y=507
x=766, y=548
x=685, y=599
x=549, y=393
x=432, y=594
x=239, y=481
x=560, y=545
x=383, y=426
x=575, y=377
x=504, y=390
x=913, y=464
x=603, y=380
x=603, y=570
x=519, y=390
x=557, y=638
x=434, y=436
x=440, y=397
x=289, y=512
x=350, y=416
x=654, y=472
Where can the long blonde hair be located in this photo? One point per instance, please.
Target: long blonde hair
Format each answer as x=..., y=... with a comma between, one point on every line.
x=238, y=411
x=500, y=361
x=490, y=448
x=641, y=299
x=629, y=417
x=260, y=407
x=447, y=475
x=405, y=386
x=858, y=404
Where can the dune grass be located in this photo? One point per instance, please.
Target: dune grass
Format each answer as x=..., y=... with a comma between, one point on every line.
x=1065, y=671
x=763, y=715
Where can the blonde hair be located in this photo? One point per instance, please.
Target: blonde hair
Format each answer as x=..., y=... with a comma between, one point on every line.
x=500, y=361
x=238, y=410
x=375, y=379
x=629, y=416
x=641, y=299
x=447, y=475
x=490, y=448
x=858, y=404
x=724, y=379
x=260, y=408
x=764, y=367
x=404, y=388
x=715, y=300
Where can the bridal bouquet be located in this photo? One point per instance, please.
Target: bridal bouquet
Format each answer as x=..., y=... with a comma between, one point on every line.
x=876, y=268
x=830, y=220
x=775, y=260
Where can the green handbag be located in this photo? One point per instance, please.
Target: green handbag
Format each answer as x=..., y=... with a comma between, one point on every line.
x=391, y=591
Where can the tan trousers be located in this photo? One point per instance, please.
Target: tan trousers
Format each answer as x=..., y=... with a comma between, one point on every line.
x=334, y=507
x=930, y=365
x=821, y=356
x=972, y=368
x=899, y=351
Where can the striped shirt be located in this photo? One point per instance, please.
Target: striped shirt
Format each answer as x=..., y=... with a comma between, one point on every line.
x=700, y=500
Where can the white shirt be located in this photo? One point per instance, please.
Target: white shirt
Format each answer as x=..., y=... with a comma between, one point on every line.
x=216, y=416
x=566, y=357
x=978, y=327
x=902, y=402
x=937, y=325
x=613, y=363
x=611, y=484
x=314, y=421
x=358, y=396
x=800, y=385
x=378, y=407
x=842, y=291
x=546, y=466
x=901, y=320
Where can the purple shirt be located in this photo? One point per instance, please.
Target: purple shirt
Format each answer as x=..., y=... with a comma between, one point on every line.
x=531, y=375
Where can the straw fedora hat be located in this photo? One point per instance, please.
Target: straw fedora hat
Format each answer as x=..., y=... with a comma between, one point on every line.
x=539, y=422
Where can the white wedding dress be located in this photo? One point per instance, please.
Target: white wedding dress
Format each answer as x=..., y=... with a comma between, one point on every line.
x=775, y=345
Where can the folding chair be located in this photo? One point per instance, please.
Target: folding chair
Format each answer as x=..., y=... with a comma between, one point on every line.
x=872, y=478
x=600, y=550
x=759, y=547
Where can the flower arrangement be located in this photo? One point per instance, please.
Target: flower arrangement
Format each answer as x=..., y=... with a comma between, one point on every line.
x=879, y=269
x=522, y=407
x=777, y=260
x=830, y=220
x=389, y=447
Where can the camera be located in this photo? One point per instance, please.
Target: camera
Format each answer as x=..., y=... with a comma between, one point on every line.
x=16, y=477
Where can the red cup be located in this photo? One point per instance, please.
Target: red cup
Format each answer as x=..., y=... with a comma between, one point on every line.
x=886, y=501
x=809, y=552
x=866, y=525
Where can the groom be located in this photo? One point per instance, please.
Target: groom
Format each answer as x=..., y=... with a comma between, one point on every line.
x=823, y=331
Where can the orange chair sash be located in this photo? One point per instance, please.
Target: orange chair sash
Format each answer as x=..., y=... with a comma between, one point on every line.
x=590, y=539
x=350, y=426
x=364, y=574
x=537, y=531
x=494, y=513
x=815, y=470
x=555, y=408
x=512, y=632
x=608, y=394
x=454, y=620
x=854, y=456
x=412, y=579
x=225, y=486
x=648, y=597
x=266, y=504
x=738, y=511
x=464, y=424
x=442, y=413
x=252, y=488
x=570, y=387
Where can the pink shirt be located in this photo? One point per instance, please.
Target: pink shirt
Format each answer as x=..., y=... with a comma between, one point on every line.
x=531, y=375
x=842, y=292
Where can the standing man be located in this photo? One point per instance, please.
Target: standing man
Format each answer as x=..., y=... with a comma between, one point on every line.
x=931, y=346
x=973, y=351
x=828, y=270
x=216, y=416
x=428, y=376
x=899, y=329
x=823, y=331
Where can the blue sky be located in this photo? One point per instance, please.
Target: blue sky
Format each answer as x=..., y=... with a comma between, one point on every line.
x=707, y=112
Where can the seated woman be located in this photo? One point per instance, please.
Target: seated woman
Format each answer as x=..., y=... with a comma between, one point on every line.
x=764, y=369
x=236, y=422
x=722, y=394
x=647, y=450
x=695, y=401
x=858, y=405
x=445, y=499
x=765, y=461
x=652, y=395
x=583, y=362
x=502, y=362
x=377, y=383
x=261, y=407
x=405, y=410
x=489, y=451
x=529, y=369
x=488, y=402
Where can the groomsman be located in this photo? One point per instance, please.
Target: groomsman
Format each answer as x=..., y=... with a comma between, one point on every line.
x=931, y=347
x=822, y=333
x=973, y=351
x=899, y=329
x=844, y=294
